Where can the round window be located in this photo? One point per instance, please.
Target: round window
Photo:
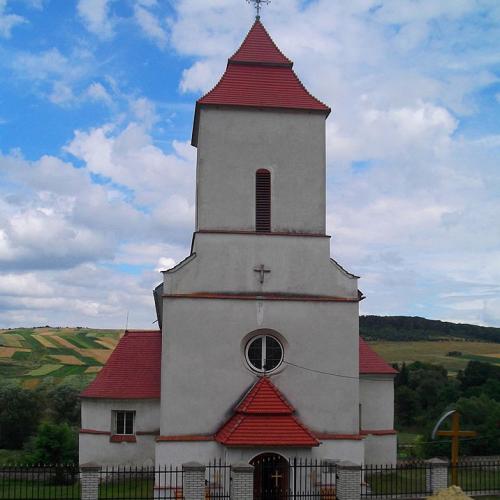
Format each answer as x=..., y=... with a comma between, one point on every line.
x=264, y=353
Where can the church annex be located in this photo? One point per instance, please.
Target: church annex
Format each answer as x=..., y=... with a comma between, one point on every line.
x=259, y=348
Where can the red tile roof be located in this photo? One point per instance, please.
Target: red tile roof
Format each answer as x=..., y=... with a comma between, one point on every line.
x=132, y=371
x=372, y=363
x=258, y=75
x=259, y=47
x=265, y=418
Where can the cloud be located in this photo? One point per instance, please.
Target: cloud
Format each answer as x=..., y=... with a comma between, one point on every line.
x=8, y=21
x=95, y=16
x=150, y=24
x=97, y=92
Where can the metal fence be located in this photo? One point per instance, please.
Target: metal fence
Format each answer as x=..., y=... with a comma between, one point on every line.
x=40, y=482
x=476, y=477
x=403, y=480
x=124, y=483
x=217, y=480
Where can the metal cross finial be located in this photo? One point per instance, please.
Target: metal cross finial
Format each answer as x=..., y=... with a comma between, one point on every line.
x=258, y=6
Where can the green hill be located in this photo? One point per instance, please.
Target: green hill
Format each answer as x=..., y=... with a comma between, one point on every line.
x=405, y=328
x=29, y=355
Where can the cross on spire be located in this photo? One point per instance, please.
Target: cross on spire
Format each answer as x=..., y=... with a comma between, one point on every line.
x=258, y=5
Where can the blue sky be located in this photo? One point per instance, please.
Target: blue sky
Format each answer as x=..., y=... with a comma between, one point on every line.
x=97, y=171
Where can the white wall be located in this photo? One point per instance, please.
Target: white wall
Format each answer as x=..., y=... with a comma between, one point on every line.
x=226, y=263
x=234, y=143
x=381, y=450
x=376, y=394
x=97, y=416
x=204, y=373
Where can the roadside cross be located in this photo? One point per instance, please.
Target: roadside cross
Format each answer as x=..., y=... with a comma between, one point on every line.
x=455, y=435
x=262, y=271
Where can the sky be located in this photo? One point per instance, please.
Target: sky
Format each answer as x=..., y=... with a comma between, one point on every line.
x=97, y=174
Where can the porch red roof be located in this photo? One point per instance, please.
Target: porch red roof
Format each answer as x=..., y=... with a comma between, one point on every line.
x=265, y=418
x=258, y=75
x=132, y=371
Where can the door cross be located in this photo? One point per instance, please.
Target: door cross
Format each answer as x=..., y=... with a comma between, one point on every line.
x=262, y=271
x=276, y=476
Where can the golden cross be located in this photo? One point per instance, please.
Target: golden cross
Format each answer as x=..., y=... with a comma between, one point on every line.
x=455, y=435
x=276, y=476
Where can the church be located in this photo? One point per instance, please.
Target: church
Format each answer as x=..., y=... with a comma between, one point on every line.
x=258, y=350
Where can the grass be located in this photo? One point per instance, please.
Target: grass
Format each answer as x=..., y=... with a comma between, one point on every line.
x=24, y=489
x=11, y=457
x=435, y=352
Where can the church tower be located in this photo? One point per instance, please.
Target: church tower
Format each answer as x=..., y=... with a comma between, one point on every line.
x=259, y=350
x=259, y=296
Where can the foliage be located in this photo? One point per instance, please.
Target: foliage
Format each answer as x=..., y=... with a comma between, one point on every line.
x=20, y=412
x=54, y=444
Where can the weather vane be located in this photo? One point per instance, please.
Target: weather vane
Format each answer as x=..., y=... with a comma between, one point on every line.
x=258, y=6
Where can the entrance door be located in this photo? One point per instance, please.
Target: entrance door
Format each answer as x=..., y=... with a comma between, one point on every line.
x=270, y=477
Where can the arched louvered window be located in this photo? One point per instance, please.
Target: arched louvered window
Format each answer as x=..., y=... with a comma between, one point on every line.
x=263, y=200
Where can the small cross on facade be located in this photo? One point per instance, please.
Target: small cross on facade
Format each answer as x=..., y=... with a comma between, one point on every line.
x=276, y=476
x=262, y=271
x=258, y=5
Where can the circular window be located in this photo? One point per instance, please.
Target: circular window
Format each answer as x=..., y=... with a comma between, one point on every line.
x=264, y=353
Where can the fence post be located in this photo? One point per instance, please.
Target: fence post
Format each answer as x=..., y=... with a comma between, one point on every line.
x=242, y=481
x=436, y=475
x=193, y=486
x=348, y=481
x=89, y=481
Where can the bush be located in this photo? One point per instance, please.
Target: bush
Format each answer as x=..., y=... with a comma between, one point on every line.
x=54, y=444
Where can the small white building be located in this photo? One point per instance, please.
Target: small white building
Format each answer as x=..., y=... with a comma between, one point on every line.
x=259, y=350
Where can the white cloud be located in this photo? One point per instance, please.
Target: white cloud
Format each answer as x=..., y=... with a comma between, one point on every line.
x=150, y=24
x=95, y=15
x=97, y=92
x=8, y=21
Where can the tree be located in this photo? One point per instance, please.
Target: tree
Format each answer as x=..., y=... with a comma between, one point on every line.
x=64, y=404
x=54, y=444
x=406, y=404
x=20, y=412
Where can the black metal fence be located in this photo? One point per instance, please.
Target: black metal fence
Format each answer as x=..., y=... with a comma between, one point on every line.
x=407, y=479
x=217, y=480
x=478, y=477
x=124, y=483
x=40, y=482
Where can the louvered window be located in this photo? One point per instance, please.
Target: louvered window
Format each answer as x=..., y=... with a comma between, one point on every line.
x=263, y=201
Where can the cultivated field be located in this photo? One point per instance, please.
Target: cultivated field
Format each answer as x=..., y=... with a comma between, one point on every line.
x=436, y=352
x=30, y=355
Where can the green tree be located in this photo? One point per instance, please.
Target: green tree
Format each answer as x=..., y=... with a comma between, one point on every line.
x=406, y=405
x=20, y=412
x=64, y=404
x=54, y=444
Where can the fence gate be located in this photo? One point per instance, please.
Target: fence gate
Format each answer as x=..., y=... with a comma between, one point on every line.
x=276, y=478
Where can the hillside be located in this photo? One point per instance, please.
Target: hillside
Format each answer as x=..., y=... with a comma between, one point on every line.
x=29, y=355
x=405, y=328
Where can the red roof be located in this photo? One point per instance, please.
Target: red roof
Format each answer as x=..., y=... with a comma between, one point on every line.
x=265, y=418
x=132, y=371
x=259, y=75
x=259, y=47
x=372, y=363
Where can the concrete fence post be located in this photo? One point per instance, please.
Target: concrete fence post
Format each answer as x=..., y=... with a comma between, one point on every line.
x=242, y=481
x=348, y=481
x=436, y=475
x=193, y=482
x=89, y=481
